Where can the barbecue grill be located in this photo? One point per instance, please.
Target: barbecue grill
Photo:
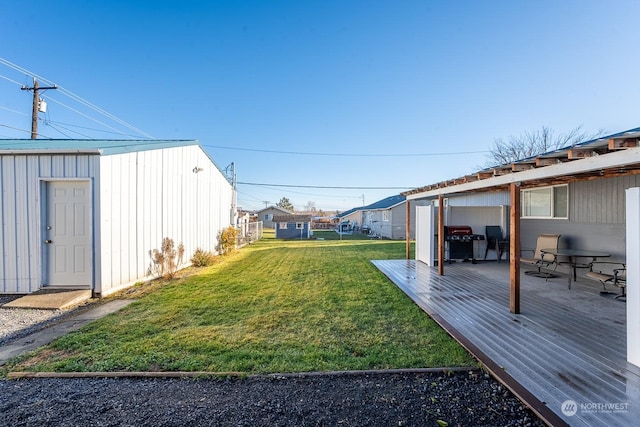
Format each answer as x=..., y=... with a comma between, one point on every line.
x=459, y=242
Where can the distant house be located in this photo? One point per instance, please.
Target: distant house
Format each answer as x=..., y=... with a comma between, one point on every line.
x=387, y=218
x=266, y=215
x=85, y=214
x=293, y=226
x=350, y=220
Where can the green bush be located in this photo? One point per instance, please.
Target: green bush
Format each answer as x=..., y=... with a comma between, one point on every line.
x=202, y=258
x=227, y=240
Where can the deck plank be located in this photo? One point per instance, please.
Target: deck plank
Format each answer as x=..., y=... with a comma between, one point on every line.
x=567, y=344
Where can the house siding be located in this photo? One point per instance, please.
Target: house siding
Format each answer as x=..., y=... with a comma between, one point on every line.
x=291, y=232
x=596, y=217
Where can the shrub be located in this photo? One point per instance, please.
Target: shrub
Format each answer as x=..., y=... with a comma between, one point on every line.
x=202, y=258
x=227, y=240
x=165, y=262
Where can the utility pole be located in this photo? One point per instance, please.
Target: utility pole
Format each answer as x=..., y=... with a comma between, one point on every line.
x=266, y=203
x=36, y=105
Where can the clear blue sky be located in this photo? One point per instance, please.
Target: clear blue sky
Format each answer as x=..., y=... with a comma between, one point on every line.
x=422, y=88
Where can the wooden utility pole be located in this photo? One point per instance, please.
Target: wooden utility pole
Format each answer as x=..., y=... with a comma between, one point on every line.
x=36, y=102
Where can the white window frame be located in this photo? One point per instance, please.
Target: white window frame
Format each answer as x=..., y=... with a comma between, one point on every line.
x=541, y=202
x=299, y=225
x=282, y=225
x=385, y=216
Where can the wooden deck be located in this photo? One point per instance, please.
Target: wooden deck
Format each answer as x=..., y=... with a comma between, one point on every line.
x=566, y=345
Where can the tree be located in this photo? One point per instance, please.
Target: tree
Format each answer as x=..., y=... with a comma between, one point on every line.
x=532, y=143
x=284, y=203
x=310, y=207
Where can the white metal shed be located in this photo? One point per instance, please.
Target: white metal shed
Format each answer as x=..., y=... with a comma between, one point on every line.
x=85, y=214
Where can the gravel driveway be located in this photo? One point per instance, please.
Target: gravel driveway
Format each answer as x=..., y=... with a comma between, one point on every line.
x=352, y=399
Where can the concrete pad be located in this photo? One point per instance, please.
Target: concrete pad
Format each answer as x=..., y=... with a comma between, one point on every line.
x=51, y=299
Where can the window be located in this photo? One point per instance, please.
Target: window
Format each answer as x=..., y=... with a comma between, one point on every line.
x=546, y=202
x=299, y=225
x=268, y=217
x=385, y=215
x=283, y=225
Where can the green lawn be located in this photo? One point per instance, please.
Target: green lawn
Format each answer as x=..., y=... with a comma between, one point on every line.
x=274, y=306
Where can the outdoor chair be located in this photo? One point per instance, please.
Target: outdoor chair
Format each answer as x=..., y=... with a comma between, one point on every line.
x=611, y=276
x=540, y=260
x=496, y=241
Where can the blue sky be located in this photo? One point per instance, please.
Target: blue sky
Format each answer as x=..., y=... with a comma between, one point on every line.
x=365, y=94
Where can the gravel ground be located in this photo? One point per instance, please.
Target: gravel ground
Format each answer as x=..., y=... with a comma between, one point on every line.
x=19, y=322
x=352, y=399
x=365, y=399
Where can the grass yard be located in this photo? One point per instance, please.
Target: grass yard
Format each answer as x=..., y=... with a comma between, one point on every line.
x=274, y=306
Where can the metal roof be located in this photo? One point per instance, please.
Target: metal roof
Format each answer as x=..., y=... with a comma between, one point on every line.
x=92, y=146
x=617, y=154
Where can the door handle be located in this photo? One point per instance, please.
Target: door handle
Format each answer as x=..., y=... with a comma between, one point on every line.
x=48, y=242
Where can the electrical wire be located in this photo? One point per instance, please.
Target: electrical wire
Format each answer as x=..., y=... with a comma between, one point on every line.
x=85, y=115
x=325, y=187
x=74, y=97
x=15, y=111
x=301, y=153
x=10, y=80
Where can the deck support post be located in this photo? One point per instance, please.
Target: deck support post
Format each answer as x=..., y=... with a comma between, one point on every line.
x=408, y=230
x=440, y=235
x=514, y=250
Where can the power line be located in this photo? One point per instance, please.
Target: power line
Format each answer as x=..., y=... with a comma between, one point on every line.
x=325, y=187
x=301, y=153
x=74, y=97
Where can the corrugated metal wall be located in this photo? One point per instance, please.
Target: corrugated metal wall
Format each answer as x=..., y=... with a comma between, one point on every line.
x=138, y=199
x=20, y=213
x=147, y=196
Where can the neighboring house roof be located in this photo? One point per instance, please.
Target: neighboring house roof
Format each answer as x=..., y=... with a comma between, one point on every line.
x=272, y=207
x=91, y=146
x=349, y=212
x=292, y=218
x=386, y=203
x=617, y=154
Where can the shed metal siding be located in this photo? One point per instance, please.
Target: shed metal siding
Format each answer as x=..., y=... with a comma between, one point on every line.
x=147, y=196
x=138, y=199
x=20, y=209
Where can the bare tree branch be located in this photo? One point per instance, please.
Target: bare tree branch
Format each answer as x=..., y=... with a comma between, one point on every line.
x=533, y=143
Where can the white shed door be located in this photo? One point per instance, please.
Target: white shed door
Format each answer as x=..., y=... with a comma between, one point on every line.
x=68, y=234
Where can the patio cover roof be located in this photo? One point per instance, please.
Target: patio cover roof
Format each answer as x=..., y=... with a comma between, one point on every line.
x=613, y=155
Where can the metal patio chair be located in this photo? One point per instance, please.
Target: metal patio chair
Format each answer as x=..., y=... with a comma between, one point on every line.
x=609, y=276
x=541, y=260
